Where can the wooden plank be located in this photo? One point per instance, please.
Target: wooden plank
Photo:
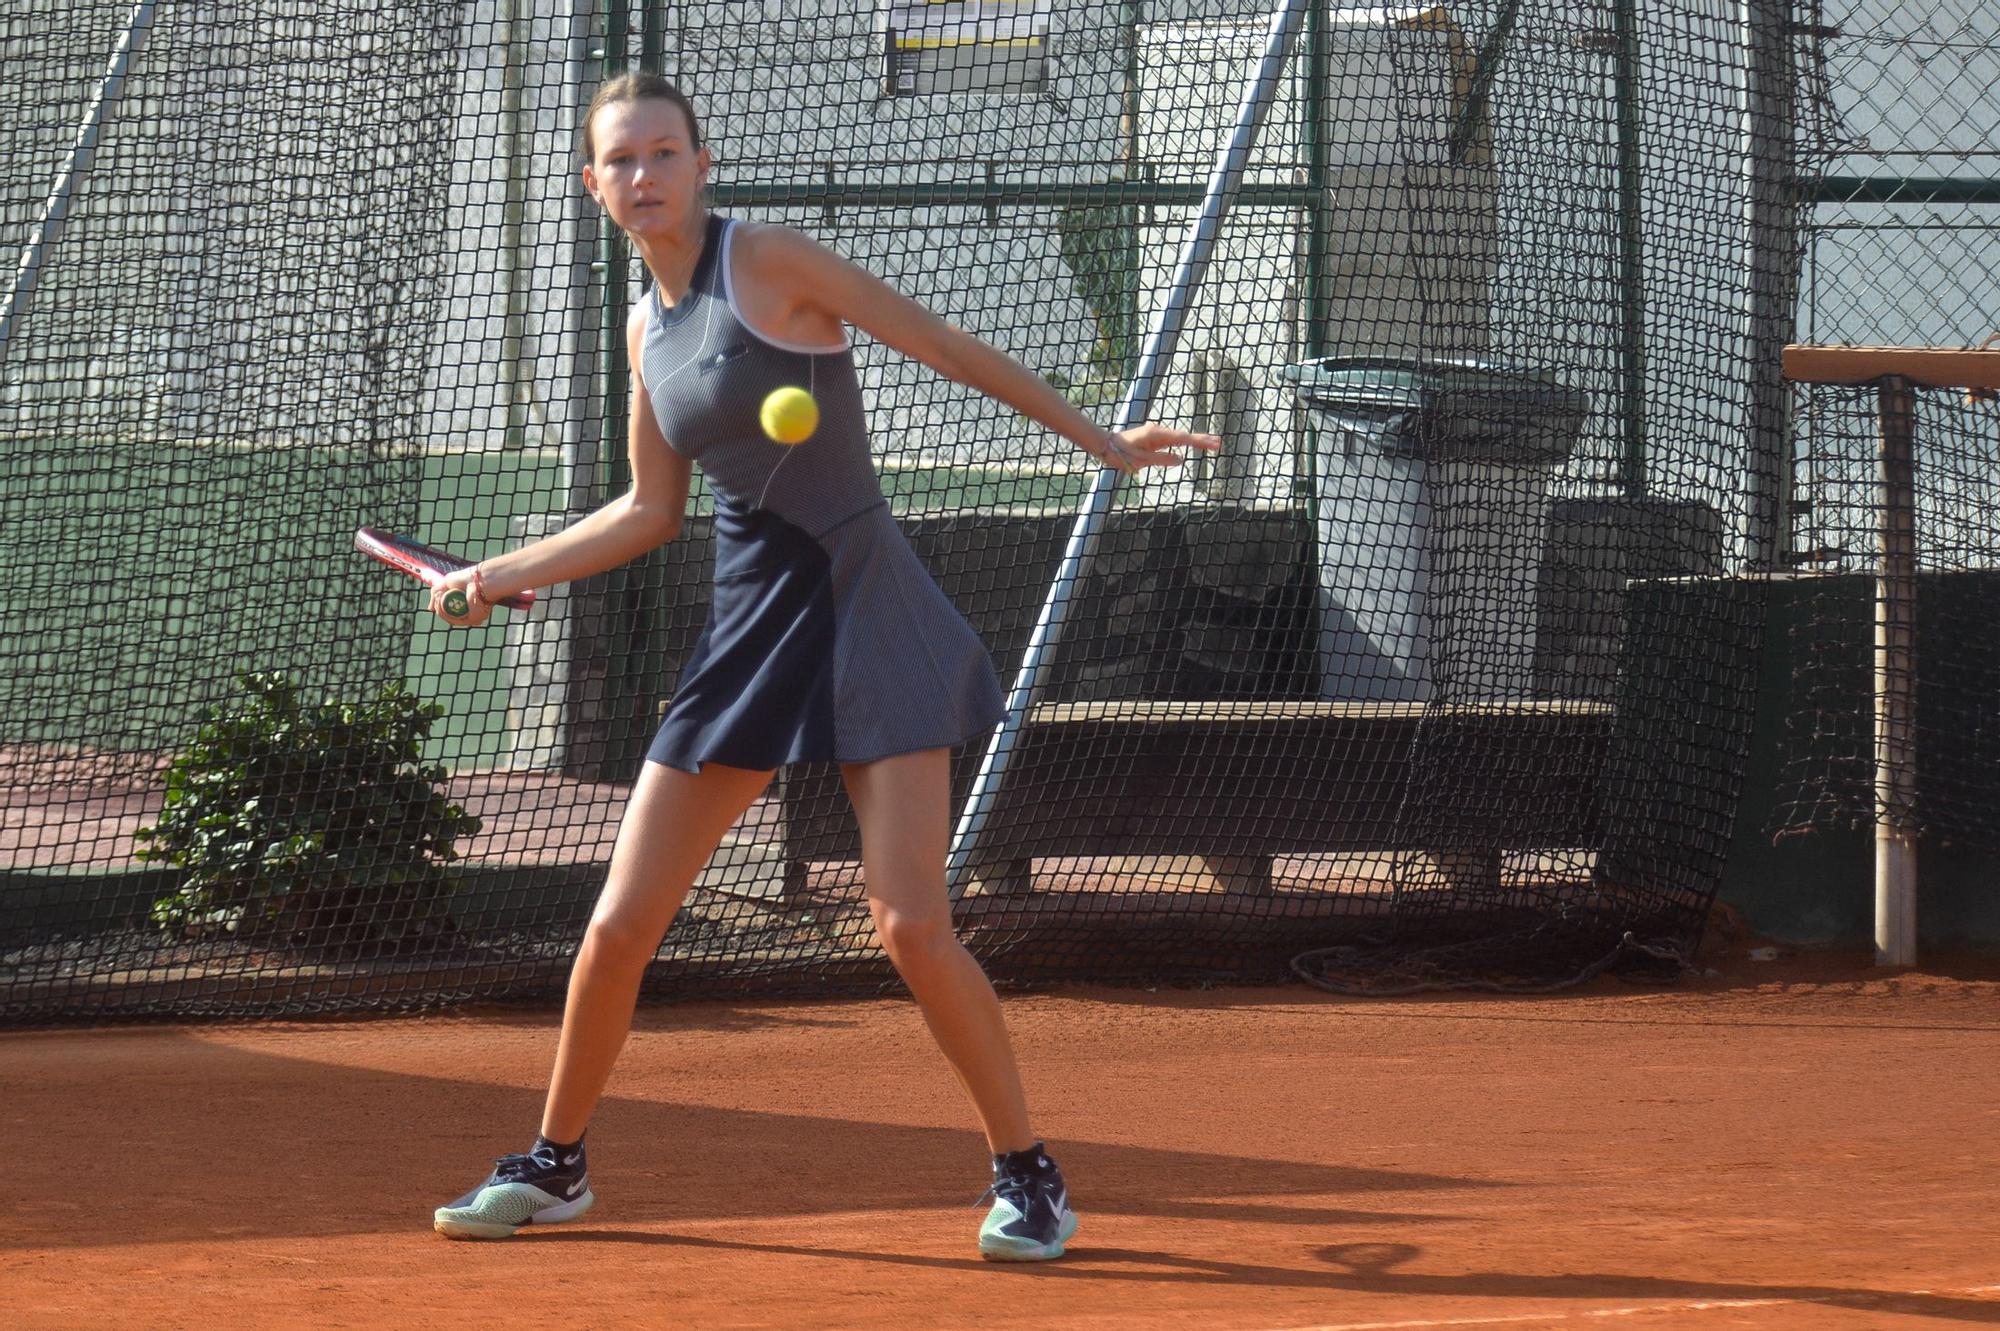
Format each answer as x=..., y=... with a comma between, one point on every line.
x=1930, y=367
x=1208, y=712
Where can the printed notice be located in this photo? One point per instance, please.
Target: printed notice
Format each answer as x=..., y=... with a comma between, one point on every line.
x=957, y=46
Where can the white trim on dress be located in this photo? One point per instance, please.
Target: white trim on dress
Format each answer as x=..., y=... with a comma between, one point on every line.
x=729, y=295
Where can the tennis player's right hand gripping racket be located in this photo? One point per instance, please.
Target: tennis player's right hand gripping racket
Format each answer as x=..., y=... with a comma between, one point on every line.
x=427, y=566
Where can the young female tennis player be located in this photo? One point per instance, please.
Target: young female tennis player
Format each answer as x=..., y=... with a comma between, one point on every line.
x=826, y=638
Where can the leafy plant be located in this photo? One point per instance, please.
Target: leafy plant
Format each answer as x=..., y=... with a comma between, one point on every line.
x=311, y=823
x=1099, y=244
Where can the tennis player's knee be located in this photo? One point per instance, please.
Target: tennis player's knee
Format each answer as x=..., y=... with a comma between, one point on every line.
x=620, y=940
x=914, y=938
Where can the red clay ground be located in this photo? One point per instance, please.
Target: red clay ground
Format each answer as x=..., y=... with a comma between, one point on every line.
x=1800, y=1144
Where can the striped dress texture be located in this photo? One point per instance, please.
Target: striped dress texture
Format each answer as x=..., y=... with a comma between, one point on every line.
x=826, y=637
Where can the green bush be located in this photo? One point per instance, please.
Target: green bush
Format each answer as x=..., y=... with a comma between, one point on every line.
x=1099, y=243
x=310, y=824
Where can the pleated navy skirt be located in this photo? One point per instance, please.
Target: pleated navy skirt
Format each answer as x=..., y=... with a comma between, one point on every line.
x=831, y=646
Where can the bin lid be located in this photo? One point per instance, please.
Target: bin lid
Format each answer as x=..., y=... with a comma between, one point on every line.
x=1466, y=409
x=1398, y=381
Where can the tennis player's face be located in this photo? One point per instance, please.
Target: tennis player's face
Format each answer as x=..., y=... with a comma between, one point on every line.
x=647, y=172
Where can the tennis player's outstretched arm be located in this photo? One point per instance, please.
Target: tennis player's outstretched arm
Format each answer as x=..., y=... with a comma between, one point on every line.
x=795, y=289
x=646, y=516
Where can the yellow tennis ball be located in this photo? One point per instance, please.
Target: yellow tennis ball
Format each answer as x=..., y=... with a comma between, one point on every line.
x=790, y=415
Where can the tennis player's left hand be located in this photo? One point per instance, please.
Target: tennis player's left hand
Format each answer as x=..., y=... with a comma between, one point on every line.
x=1151, y=445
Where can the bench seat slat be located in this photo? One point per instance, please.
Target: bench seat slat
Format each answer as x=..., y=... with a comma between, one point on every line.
x=1263, y=779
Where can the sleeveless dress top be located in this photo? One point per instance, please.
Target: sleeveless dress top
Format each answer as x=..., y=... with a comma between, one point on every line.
x=826, y=637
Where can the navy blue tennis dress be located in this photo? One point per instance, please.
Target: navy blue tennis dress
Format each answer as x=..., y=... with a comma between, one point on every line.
x=827, y=638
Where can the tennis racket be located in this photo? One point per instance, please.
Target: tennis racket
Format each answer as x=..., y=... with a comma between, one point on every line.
x=427, y=566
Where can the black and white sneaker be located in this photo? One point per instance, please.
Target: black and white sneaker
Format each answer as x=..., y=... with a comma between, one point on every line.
x=546, y=1185
x=1030, y=1220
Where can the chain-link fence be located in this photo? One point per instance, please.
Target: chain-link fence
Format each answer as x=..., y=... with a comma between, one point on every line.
x=1901, y=242
x=1435, y=672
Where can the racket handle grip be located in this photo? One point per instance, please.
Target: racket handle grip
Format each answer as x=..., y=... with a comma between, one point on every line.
x=456, y=605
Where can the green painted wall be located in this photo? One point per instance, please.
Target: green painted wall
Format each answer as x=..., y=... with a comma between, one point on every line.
x=468, y=501
x=156, y=573
x=146, y=576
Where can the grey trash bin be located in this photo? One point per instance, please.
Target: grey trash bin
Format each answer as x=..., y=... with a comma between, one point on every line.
x=1431, y=478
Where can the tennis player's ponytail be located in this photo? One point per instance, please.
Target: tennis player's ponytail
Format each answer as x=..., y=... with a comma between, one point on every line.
x=637, y=87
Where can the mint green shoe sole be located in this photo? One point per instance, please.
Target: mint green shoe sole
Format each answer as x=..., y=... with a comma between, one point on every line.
x=500, y=1211
x=1000, y=1248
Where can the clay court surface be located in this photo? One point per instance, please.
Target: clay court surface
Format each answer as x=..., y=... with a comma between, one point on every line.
x=1803, y=1143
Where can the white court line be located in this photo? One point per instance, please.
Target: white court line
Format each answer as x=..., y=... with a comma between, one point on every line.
x=1701, y=1305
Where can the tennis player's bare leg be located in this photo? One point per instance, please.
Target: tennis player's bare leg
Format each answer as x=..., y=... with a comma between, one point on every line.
x=904, y=808
x=672, y=825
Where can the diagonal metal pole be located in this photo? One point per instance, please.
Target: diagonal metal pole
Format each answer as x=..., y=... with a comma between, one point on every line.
x=48, y=227
x=1158, y=352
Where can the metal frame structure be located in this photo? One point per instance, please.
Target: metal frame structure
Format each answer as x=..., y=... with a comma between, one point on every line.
x=1224, y=187
x=1896, y=373
x=55, y=212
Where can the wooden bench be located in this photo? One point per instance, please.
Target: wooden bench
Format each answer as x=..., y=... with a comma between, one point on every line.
x=1242, y=783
